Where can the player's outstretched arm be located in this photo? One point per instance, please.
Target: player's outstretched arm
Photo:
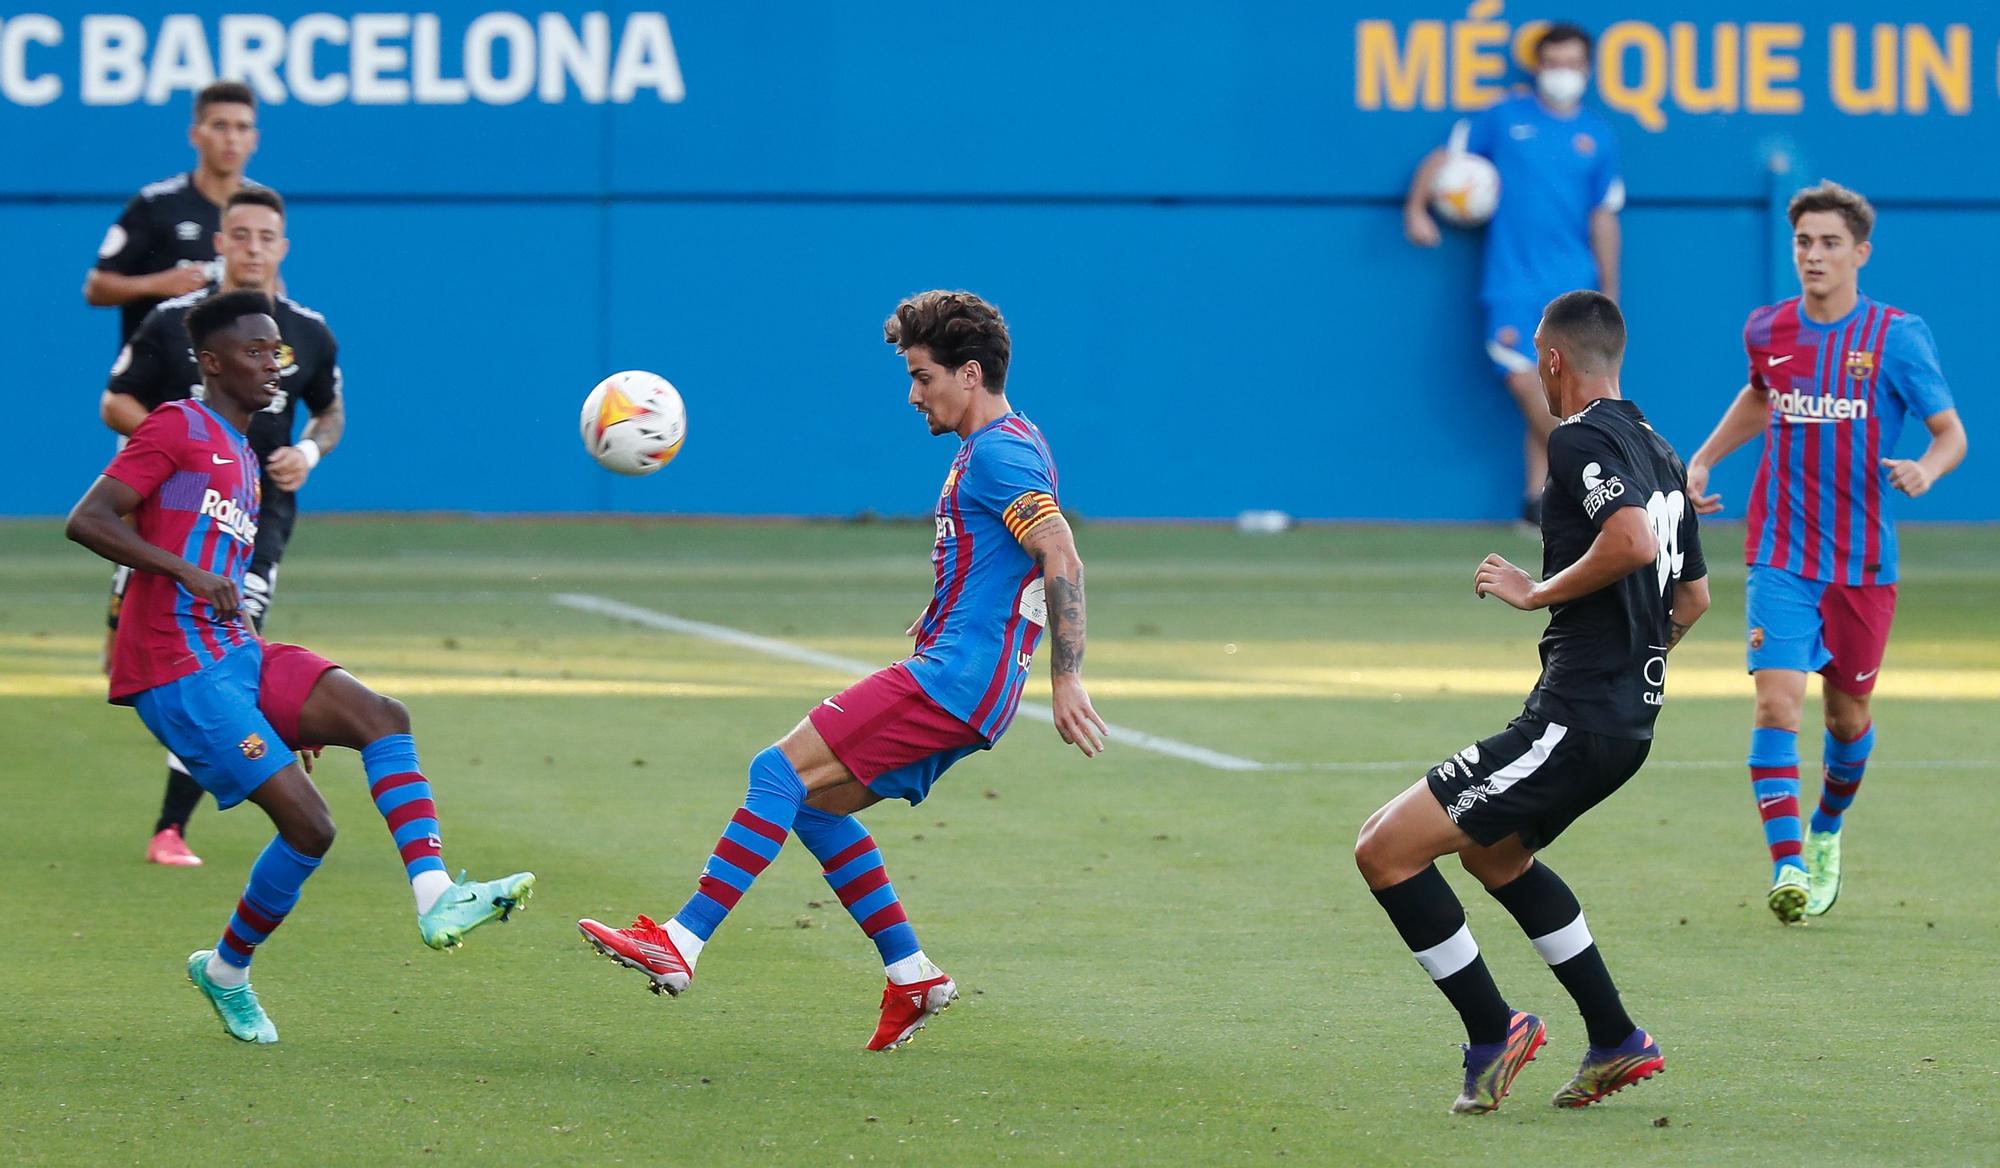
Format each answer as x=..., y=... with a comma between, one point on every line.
x=1623, y=545
x=105, y=289
x=98, y=523
x=1745, y=418
x=1053, y=546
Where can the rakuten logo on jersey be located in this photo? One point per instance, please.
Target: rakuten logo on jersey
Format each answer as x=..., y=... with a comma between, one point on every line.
x=1816, y=409
x=229, y=515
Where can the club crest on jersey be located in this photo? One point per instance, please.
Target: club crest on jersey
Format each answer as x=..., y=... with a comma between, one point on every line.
x=253, y=747
x=951, y=479
x=1861, y=364
x=288, y=361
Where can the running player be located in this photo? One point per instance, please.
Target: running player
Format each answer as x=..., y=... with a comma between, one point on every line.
x=1624, y=579
x=1006, y=566
x=234, y=707
x=157, y=366
x=1833, y=378
x=163, y=246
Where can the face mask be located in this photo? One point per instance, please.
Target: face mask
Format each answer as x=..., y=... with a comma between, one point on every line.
x=1562, y=86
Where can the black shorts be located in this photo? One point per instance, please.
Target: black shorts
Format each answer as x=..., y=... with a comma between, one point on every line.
x=1532, y=779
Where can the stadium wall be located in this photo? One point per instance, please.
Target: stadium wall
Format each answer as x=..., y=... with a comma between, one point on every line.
x=1190, y=213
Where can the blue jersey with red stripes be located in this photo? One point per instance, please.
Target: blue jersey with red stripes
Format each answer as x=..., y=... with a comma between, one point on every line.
x=976, y=639
x=197, y=480
x=1839, y=394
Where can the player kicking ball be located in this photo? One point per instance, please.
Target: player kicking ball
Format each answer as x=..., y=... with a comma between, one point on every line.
x=1006, y=566
x=1624, y=579
x=233, y=707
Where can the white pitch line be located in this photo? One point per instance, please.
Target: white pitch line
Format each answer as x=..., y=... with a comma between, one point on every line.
x=1673, y=764
x=785, y=650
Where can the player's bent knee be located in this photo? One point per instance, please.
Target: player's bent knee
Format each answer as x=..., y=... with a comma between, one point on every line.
x=393, y=716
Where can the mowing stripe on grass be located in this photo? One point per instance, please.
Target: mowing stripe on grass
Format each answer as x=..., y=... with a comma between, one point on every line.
x=785, y=650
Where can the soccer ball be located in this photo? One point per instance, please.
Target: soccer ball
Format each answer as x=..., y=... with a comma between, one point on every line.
x=634, y=422
x=1466, y=190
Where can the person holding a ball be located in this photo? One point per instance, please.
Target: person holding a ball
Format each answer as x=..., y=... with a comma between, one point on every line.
x=1556, y=226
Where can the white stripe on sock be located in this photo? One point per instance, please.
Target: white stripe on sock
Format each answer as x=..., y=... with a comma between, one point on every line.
x=1449, y=955
x=1564, y=943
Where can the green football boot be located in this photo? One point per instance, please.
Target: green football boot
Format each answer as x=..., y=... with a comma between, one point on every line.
x=1822, y=871
x=468, y=904
x=242, y=1015
x=1787, y=898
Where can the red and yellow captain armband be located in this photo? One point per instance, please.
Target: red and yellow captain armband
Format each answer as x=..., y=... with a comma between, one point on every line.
x=1029, y=511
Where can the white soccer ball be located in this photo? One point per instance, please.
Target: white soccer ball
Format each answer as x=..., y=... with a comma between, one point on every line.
x=1466, y=190
x=634, y=422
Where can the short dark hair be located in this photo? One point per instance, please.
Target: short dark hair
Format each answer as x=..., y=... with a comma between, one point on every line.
x=249, y=196
x=1560, y=31
x=215, y=313
x=956, y=327
x=223, y=93
x=1590, y=322
x=1831, y=196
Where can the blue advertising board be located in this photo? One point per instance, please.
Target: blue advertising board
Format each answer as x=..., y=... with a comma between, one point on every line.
x=1189, y=211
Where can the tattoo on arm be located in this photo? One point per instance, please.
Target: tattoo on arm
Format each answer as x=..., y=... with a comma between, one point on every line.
x=1680, y=630
x=1065, y=597
x=327, y=426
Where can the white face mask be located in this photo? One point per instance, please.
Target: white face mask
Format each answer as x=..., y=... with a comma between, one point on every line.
x=1562, y=86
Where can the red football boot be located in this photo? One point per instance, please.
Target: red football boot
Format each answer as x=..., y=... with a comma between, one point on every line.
x=905, y=1009
x=644, y=946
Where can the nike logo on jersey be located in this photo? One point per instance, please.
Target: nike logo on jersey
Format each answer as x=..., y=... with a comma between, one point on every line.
x=1867, y=675
x=831, y=702
x=221, y=461
x=1770, y=361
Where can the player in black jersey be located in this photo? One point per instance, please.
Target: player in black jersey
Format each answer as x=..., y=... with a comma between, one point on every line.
x=157, y=365
x=164, y=244
x=1623, y=578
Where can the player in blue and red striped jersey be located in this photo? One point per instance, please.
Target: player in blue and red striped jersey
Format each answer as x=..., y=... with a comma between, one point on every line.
x=1834, y=376
x=233, y=707
x=1006, y=566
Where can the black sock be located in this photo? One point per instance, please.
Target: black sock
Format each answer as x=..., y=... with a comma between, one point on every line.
x=1548, y=912
x=1432, y=924
x=183, y=794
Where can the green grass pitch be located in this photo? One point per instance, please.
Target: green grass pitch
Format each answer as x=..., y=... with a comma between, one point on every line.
x=1161, y=962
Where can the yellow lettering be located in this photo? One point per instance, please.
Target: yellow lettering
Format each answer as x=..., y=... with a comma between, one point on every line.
x=1927, y=67
x=1771, y=68
x=1527, y=39
x=1722, y=95
x=1638, y=96
x=1383, y=77
x=1880, y=96
x=1475, y=65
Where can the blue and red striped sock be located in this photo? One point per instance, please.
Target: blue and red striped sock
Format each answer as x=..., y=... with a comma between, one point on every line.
x=396, y=782
x=1841, y=778
x=1774, y=779
x=277, y=876
x=748, y=844
x=853, y=868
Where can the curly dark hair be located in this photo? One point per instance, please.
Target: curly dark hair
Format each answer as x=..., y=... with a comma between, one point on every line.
x=957, y=328
x=215, y=313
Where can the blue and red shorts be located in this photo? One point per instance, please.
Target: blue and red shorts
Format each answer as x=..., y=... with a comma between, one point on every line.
x=1839, y=631
x=892, y=735
x=235, y=723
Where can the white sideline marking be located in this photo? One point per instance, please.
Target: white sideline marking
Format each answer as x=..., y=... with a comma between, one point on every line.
x=785, y=650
